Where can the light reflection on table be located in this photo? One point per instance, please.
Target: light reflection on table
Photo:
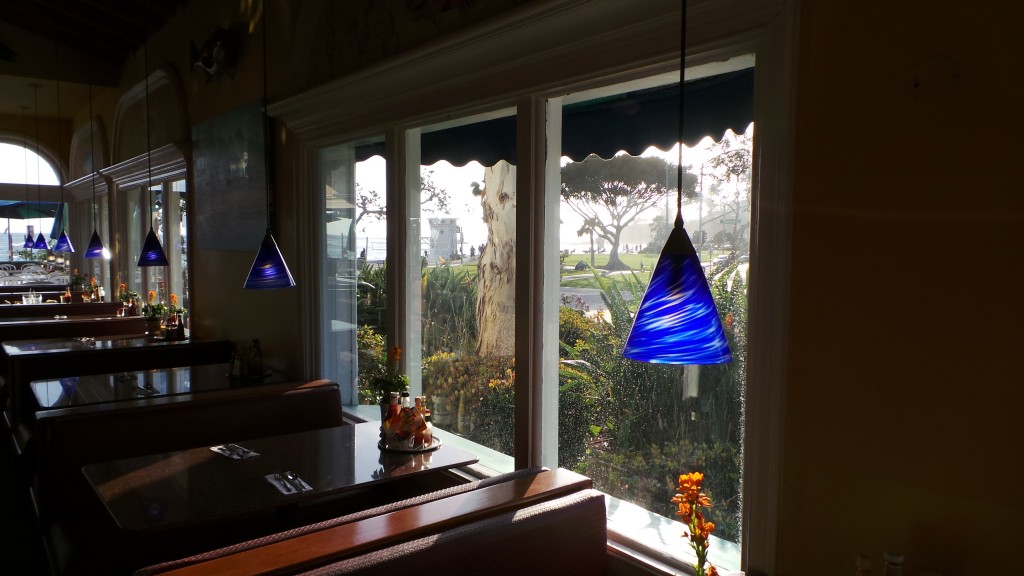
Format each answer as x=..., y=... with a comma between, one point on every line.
x=112, y=387
x=194, y=486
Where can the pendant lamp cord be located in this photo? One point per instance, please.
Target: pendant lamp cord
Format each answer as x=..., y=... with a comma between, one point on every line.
x=267, y=124
x=60, y=143
x=24, y=140
x=149, y=146
x=39, y=200
x=682, y=109
x=92, y=146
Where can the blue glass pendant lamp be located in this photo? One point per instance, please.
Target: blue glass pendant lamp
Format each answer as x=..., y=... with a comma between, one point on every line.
x=29, y=242
x=63, y=243
x=95, y=249
x=152, y=252
x=40, y=243
x=268, y=269
x=677, y=322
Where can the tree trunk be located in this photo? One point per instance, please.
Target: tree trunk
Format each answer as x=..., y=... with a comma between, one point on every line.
x=614, y=262
x=496, y=270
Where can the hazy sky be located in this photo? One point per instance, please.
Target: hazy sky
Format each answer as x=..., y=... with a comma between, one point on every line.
x=466, y=207
x=14, y=159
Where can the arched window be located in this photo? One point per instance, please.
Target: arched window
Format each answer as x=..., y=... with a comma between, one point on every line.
x=20, y=165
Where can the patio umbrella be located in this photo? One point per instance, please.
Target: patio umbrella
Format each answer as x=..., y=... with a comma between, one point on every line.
x=24, y=210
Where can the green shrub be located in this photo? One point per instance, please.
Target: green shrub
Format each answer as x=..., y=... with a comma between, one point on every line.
x=449, y=310
x=372, y=351
x=372, y=292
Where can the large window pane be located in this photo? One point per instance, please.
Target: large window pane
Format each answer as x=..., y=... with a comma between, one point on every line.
x=355, y=290
x=631, y=426
x=99, y=219
x=467, y=223
x=162, y=208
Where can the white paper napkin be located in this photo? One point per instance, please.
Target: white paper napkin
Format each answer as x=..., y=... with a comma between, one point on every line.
x=234, y=451
x=284, y=486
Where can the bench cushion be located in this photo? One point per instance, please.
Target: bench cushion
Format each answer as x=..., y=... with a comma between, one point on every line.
x=68, y=439
x=344, y=519
x=563, y=536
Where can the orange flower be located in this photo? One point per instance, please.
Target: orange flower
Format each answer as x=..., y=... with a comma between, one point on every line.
x=174, y=300
x=92, y=281
x=152, y=296
x=395, y=355
x=689, y=500
x=122, y=288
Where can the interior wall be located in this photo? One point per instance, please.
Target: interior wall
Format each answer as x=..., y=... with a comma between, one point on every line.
x=902, y=405
x=307, y=43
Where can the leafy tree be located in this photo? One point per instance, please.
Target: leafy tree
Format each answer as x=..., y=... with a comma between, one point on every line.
x=612, y=194
x=369, y=202
x=730, y=168
x=660, y=230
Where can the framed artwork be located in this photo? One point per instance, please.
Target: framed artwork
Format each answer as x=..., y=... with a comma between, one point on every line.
x=230, y=180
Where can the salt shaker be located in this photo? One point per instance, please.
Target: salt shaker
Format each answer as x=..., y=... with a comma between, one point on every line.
x=893, y=564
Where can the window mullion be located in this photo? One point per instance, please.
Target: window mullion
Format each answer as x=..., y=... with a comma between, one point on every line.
x=403, y=274
x=536, y=392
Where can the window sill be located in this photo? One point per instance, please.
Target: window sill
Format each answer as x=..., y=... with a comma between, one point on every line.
x=659, y=540
x=633, y=532
x=491, y=461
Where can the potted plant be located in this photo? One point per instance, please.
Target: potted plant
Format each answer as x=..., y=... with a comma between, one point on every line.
x=129, y=300
x=175, y=325
x=390, y=380
x=154, y=312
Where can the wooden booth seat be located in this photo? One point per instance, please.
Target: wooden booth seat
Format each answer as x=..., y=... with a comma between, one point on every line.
x=529, y=522
x=558, y=537
x=79, y=534
x=21, y=370
x=67, y=439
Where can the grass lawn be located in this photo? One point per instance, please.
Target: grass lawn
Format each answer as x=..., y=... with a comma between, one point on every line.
x=572, y=278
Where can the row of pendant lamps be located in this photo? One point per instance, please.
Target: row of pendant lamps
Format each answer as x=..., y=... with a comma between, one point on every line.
x=677, y=321
x=268, y=270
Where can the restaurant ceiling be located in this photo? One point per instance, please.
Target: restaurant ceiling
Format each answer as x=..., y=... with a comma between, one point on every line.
x=95, y=39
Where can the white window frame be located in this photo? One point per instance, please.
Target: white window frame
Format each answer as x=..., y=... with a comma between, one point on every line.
x=539, y=51
x=163, y=166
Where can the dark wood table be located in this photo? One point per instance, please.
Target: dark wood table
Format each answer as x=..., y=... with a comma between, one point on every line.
x=134, y=385
x=49, y=309
x=64, y=326
x=195, y=486
x=28, y=360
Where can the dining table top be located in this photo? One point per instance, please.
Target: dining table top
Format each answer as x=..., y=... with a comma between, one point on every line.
x=138, y=384
x=261, y=475
x=42, y=346
x=16, y=321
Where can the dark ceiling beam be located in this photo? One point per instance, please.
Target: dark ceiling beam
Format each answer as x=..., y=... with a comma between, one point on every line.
x=96, y=37
x=79, y=39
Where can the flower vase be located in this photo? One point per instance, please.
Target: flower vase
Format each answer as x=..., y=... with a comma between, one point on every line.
x=153, y=331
